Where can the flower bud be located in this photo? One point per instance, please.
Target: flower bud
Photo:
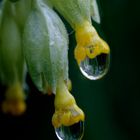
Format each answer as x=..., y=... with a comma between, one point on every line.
x=11, y=56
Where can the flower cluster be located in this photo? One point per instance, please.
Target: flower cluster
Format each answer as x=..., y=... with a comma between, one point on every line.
x=34, y=39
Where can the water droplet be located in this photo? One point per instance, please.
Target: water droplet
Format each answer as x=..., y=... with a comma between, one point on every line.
x=73, y=132
x=95, y=68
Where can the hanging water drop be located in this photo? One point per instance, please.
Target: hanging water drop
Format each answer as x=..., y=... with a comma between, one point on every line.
x=95, y=68
x=73, y=132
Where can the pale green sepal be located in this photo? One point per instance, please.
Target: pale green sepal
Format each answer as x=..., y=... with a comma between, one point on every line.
x=74, y=11
x=11, y=56
x=95, y=11
x=45, y=47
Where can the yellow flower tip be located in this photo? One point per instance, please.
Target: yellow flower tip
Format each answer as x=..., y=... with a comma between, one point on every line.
x=89, y=44
x=67, y=116
x=66, y=110
x=14, y=102
x=14, y=107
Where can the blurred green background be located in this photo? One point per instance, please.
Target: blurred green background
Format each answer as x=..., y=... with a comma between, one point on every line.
x=112, y=104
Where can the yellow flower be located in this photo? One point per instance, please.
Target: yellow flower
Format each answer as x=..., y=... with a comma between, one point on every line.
x=66, y=110
x=89, y=44
x=14, y=103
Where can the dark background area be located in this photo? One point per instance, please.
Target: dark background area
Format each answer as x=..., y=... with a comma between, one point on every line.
x=112, y=104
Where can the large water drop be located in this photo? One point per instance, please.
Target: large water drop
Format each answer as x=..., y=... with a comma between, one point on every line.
x=73, y=132
x=95, y=68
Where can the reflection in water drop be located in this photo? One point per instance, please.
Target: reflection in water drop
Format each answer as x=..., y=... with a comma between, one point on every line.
x=73, y=132
x=95, y=68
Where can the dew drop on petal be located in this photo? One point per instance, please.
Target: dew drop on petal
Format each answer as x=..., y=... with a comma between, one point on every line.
x=95, y=68
x=73, y=132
